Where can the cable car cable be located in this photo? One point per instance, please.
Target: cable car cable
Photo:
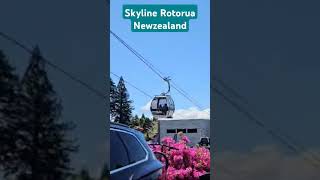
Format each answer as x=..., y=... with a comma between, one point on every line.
x=227, y=171
x=262, y=125
x=56, y=67
x=148, y=64
x=178, y=87
x=136, y=54
x=231, y=90
x=273, y=134
x=153, y=68
x=285, y=136
x=238, y=96
x=130, y=84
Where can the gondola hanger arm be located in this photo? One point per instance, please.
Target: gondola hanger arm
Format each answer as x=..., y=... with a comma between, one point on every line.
x=167, y=79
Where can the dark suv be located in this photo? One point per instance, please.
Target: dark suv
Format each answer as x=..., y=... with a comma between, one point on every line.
x=130, y=155
x=204, y=141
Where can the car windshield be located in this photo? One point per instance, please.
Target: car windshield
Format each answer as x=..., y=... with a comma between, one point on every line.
x=204, y=140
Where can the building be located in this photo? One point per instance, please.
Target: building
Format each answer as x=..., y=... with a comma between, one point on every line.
x=193, y=128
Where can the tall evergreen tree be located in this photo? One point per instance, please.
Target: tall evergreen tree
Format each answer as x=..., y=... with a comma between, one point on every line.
x=113, y=95
x=42, y=149
x=147, y=124
x=8, y=92
x=135, y=121
x=123, y=105
x=8, y=80
x=8, y=86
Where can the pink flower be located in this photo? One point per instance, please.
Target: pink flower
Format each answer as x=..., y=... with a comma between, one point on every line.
x=178, y=159
x=184, y=162
x=197, y=174
x=168, y=141
x=185, y=139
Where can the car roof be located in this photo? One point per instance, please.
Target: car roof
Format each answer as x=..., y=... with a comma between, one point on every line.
x=122, y=127
x=204, y=138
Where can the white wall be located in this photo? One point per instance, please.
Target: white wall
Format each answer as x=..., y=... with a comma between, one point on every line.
x=202, y=125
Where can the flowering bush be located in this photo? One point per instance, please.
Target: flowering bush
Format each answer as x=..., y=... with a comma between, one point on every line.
x=184, y=162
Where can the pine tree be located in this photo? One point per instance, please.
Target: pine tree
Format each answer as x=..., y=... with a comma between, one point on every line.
x=113, y=95
x=143, y=123
x=42, y=149
x=146, y=125
x=8, y=92
x=135, y=121
x=123, y=107
x=8, y=80
x=8, y=85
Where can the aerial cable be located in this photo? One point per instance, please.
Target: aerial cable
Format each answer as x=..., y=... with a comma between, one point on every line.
x=56, y=67
x=154, y=69
x=130, y=84
x=229, y=100
x=262, y=125
x=231, y=90
x=284, y=137
x=137, y=54
x=151, y=67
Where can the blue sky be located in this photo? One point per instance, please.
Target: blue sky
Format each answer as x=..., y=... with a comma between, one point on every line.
x=184, y=56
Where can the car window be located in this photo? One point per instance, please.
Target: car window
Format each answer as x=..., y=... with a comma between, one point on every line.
x=118, y=152
x=136, y=151
x=204, y=140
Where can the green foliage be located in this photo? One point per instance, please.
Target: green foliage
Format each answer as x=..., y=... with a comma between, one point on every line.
x=113, y=96
x=8, y=94
x=122, y=104
x=146, y=125
x=8, y=80
x=35, y=141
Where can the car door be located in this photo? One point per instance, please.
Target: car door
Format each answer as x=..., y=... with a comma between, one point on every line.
x=118, y=157
x=127, y=155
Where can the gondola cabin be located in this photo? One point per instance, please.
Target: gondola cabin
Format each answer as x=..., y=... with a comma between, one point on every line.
x=162, y=106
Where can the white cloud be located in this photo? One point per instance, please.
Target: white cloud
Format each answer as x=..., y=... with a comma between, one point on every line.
x=146, y=108
x=192, y=113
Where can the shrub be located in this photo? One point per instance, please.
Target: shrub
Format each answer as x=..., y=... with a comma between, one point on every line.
x=184, y=162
